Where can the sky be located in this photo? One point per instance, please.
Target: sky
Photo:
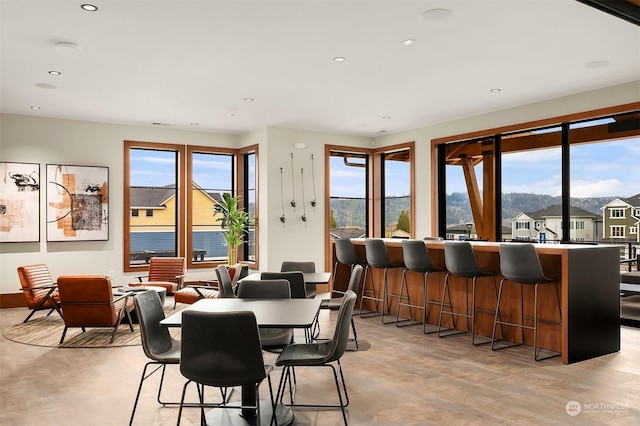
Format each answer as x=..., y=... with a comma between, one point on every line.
x=597, y=170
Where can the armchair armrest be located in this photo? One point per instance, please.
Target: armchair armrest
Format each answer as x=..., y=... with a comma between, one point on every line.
x=140, y=277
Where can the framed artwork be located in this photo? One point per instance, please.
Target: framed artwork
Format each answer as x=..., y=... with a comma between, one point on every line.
x=19, y=202
x=77, y=203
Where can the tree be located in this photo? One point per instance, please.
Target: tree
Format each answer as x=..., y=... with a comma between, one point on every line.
x=332, y=220
x=404, y=224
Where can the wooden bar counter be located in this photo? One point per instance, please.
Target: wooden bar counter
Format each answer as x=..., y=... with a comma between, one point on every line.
x=588, y=280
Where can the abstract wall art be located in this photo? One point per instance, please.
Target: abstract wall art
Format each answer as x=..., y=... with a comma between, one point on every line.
x=77, y=203
x=19, y=202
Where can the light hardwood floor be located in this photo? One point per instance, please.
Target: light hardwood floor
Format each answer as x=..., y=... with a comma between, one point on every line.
x=402, y=378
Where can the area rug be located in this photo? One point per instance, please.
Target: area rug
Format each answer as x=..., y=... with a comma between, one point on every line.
x=47, y=330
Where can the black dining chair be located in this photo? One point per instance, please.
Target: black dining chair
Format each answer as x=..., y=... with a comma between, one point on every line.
x=273, y=339
x=306, y=267
x=320, y=354
x=378, y=258
x=334, y=303
x=222, y=349
x=225, y=286
x=157, y=343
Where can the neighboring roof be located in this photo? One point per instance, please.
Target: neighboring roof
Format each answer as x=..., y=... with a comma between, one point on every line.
x=556, y=211
x=150, y=197
x=634, y=200
x=348, y=233
x=154, y=197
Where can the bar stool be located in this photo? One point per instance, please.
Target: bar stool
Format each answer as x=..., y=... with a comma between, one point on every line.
x=520, y=263
x=416, y=259
x=460, y=260
x=377, y=258
x=345, y=255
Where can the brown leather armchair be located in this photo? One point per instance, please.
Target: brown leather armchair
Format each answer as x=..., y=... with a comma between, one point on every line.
x=167, y=272
x=40, y=292
x=87, y=301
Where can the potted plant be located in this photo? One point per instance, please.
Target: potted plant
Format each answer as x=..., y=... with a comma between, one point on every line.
x=234, y=221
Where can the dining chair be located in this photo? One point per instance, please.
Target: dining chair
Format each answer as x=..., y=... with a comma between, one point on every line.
x=225, y=282
x=273, y=339
x=157, y=343
x=222, y=349
x=320, y=354
x=296, y=281
x=520, y=264
x=40, y=292
x=334, y=303
x=307, y=267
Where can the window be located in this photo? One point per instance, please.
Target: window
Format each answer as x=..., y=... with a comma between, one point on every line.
x=617, y=230
x=617, y=213
x=523, y=225
x=396, y=193
x=633, y=230
x=179, y=219
x=348, y=193
x=562, y=167
x=152, y=176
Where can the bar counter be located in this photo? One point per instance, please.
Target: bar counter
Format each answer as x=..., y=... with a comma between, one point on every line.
x=588, y=279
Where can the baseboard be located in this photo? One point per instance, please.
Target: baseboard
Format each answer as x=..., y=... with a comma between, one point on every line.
x=14, y=300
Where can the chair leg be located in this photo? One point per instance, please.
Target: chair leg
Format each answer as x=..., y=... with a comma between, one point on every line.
x=365, y=290
x=453, y=330
x=64, y=333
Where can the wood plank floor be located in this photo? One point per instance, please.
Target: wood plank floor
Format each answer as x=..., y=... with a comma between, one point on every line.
x=401, y=377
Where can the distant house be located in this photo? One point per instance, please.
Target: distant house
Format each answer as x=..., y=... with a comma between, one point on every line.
x=621, y=219
x=546, y=225
x=153, y=217
x=460, y=232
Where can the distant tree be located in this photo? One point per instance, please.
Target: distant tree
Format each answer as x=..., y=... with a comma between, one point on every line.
x=332, y=220
x=404, y=224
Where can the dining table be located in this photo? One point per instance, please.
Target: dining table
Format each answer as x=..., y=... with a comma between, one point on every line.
x=309, y=277
x=270, y=313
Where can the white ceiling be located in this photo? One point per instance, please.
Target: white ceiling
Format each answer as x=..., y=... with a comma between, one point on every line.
x=183, y=62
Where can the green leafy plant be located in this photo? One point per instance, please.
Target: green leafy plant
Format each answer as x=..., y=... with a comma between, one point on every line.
x=235, y=222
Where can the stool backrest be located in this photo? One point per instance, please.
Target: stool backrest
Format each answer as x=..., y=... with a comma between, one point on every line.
x=519, y=262
x=345, y=251
x=416, y=256
x=376, y=252
x=460, y=259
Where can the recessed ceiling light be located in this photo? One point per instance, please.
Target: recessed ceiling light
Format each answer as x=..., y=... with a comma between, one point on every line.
x=339, y=59
x=194, y=124
x=437, y=14
x=46, y=86
x=408, y=42
x=386, y=117
x=495, y=90
x=34, y=107
x=597, y=64
x=89, y=7
x=249, y=99
x=55, y=72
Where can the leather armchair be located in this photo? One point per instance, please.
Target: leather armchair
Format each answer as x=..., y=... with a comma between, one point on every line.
x=40, y=292
x=87, y=301
x=167, y=272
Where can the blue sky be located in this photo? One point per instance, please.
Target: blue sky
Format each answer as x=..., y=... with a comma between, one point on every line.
x=597, y=170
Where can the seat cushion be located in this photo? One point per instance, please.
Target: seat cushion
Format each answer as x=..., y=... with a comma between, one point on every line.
x=189, y=295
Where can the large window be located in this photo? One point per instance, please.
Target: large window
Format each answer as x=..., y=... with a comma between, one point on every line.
x=575, y=176
x=179, y=218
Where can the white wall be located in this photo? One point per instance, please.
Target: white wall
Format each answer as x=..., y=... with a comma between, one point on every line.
x=52, y=141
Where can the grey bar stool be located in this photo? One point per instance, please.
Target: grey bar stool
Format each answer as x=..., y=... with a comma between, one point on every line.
x=345, y=255
x=378, y=258
x=460, y=260
x=416, y=259
x=519, y=262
